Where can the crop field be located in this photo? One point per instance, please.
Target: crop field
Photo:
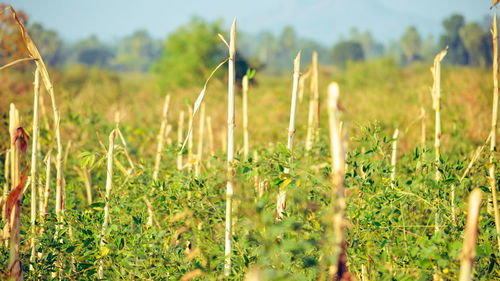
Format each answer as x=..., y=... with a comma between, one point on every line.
x=371, y=171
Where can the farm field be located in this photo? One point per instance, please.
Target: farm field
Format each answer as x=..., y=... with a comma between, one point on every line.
x=117, y=196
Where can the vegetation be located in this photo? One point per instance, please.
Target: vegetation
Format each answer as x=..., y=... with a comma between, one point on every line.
x=122, y=214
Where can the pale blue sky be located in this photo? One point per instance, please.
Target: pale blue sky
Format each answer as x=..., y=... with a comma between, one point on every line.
x=322, y=20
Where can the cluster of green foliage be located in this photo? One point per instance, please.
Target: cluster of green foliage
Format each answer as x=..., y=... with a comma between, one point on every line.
x=391, y=231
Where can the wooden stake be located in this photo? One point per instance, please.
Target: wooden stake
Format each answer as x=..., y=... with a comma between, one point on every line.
x=230, y=150
x=180, y=138
x=470, y=239
x=491, y=170
x=245, y=116
x=436, y=104
x=338, y=165
x=160, y=137
x=393, y=158
x=281, y=200
x=109, y=186
x=34, y=154
x=15, y=268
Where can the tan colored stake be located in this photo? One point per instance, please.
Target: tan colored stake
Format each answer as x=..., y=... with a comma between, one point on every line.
x=281, y=199
x=469, y=248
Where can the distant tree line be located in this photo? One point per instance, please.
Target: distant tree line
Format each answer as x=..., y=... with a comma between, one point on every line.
x=191, y=52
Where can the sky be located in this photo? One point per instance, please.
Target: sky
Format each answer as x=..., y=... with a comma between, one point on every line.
x=325, y=21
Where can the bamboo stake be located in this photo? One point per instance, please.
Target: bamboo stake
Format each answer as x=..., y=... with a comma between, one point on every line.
x=15, y=269
x=470, y=239
x=281, y=200
x=161, y=134
x=245, y=116
x=201, y=132
x=190, y=139
x=34, y=154
x=109, y=186
x=363, y=273
x=393, y=158
x=58, y=169
x=310, y=123
x=491, y=170
x=230, y=150
x=302, y=81
x=314, y=89
x=338, y=160
x=179, y=139
x=436, y=104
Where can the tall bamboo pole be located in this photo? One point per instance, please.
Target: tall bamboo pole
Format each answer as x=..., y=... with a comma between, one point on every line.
x=338, y=165
x=315, y=90
x=313, y=117
x=470, y=239
x=281, y=200
x=34, y=154
x=491, y=170
x=109, y=186
x=58, y=169
x=230, y=150
x=179, y=139
x=161, y=135
x=245, y=116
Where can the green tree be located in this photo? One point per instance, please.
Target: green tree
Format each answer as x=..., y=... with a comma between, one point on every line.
x=347, y=51
x=457, y=53
x=190, y=54
x=411, y=43
x=91, y=52
x=371, y=48
x=136, y=52
x=475, y=42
